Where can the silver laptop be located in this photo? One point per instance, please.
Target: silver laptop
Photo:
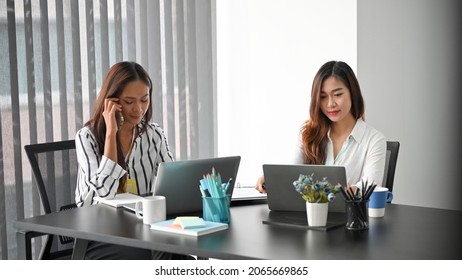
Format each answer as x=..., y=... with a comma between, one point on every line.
x=281, y=194
x=179, y=181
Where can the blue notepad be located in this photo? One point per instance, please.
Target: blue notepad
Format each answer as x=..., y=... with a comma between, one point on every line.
x=171, y=227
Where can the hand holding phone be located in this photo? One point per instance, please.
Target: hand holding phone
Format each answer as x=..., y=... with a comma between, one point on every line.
x=112, y=113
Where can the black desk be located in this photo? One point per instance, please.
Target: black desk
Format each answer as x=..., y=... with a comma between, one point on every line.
x=406, y=232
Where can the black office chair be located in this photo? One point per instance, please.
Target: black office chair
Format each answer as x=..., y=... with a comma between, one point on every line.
x=390, y=164
x=54, y=166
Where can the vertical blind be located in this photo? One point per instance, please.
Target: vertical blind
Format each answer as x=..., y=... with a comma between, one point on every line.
x=53, y=57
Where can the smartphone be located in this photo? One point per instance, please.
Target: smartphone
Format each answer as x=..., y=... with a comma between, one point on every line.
x=119, y=119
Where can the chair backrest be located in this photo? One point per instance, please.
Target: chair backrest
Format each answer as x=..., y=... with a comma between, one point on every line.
x=54, y=166
x=390, y=164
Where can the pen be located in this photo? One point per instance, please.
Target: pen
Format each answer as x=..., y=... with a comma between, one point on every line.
x=227, y=185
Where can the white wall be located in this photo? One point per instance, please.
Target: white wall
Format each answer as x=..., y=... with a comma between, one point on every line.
x=409, y=55
x=268, y=52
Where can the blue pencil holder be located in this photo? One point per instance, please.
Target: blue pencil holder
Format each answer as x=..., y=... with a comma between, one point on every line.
x=216, y=209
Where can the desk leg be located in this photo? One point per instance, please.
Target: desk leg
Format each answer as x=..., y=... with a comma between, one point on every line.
x=24, y=243
x=80, y=248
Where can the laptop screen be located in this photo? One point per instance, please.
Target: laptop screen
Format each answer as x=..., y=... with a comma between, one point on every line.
x=179, y=181
x=281, y=193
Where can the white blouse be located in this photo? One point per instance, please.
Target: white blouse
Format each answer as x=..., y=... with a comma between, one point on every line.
x=363, y=154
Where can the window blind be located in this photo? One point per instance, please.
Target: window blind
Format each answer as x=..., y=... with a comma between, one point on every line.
x=54, y=55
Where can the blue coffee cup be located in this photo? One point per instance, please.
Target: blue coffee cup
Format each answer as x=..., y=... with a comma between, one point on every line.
x=378, y=200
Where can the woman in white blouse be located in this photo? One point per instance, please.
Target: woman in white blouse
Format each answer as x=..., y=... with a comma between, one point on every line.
x=335, y=133
x=119, y=149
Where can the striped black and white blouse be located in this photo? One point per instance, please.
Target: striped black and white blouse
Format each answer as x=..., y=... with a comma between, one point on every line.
x=99, y=176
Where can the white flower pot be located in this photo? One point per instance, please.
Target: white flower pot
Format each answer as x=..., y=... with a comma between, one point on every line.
x=317, y=214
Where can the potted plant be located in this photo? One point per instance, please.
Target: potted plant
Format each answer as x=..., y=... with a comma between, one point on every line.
x=317, y=195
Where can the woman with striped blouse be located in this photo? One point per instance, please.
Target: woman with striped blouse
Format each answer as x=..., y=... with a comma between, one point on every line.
x=119, y=150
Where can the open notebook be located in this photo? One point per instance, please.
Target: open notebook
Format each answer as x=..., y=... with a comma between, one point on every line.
x=120, y=200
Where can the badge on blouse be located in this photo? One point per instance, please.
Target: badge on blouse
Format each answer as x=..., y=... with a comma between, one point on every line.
x=130, y=186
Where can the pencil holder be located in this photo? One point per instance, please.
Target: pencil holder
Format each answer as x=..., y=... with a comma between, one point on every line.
x=357, y=215
x=216, y=209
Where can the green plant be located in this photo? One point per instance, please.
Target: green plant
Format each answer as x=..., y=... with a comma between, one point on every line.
x=315, y=192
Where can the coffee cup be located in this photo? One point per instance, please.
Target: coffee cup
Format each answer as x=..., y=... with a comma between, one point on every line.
x=378, y=200
x=153, y=209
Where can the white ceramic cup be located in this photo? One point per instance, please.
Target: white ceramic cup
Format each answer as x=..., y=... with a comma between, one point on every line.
x=154, y=209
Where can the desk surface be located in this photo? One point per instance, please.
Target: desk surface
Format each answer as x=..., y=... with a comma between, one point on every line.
x=406, y=232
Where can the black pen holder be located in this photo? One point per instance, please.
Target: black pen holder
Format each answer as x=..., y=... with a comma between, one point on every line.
x=357, y=215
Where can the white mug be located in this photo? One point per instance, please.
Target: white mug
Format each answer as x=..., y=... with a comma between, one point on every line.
x=154, y=209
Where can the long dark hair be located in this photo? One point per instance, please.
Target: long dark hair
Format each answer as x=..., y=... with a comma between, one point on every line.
x=314, y=130
x=118, y=76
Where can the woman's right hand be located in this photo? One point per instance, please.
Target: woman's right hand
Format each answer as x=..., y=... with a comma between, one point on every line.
x=111, y=107
x=260, y=185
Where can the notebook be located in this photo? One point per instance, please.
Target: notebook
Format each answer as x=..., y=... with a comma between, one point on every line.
x=179, y=181
x=281, y=194
x=120, y=200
